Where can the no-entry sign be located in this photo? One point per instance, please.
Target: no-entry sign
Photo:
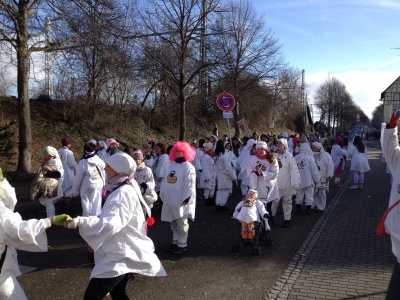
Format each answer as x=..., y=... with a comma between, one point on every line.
x=225, y=102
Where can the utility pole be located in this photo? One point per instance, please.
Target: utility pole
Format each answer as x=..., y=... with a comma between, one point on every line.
x=48, y=64
x=203, y=52
x=303, y=101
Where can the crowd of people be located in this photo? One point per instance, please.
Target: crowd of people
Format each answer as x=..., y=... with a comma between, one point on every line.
x=119, y=189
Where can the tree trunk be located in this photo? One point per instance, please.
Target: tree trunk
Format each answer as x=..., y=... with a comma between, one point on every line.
x=182, y=114
x=25, y=130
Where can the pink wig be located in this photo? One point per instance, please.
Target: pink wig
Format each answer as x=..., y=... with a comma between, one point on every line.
x=188, y=151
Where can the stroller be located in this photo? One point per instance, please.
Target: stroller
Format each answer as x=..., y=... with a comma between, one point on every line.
x=261, y=229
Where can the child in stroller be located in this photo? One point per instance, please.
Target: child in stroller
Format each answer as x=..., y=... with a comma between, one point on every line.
x=249, y=212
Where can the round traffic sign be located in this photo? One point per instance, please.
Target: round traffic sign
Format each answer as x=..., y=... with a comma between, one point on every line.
x=225, y=102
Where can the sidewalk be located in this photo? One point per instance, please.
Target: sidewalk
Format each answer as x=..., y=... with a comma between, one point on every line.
x=342, y=258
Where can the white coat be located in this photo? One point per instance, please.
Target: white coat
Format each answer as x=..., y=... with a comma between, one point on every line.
x=89, y=182
x=118, y=237
x=337, y=153
x=103, y=154
x=266, y=185
x=308, y=169
x=249, y=214
x=325, y=167
x=69, y=165
x=207, y=176
x=159, y=171
x=144, y=174
x=27, y=235
x=288, y=176
x=225, y=173
x=57, y=163
x=359, y=160
x=179, y=185
x=391, y=153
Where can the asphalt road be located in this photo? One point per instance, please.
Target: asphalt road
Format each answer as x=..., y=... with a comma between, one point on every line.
x=208, y=270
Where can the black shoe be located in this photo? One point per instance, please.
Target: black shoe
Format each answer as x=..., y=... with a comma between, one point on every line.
x=286, y=224
x=172, y=247
x=178, y=250
x=209, y=202
x=298, y=209
x=308, y=211
x=271, y=220
x=223, y=208
x=91, y=257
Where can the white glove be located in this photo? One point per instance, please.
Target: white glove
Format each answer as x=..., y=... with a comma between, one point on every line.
x=75, y=223
x=296, y=186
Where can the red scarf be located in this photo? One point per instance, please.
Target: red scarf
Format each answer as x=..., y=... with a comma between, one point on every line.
x=212, y=154
x=261, y=157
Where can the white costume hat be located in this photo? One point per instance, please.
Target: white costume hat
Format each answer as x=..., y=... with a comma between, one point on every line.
x=262, y=145
x=122, y=162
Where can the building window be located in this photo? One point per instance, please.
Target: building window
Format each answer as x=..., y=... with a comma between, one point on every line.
x=396, y=97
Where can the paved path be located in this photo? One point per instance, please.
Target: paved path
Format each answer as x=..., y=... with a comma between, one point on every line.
x=342, y=258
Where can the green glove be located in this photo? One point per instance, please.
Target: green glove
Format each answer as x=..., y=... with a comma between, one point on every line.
x=60, y=219
x=1, y=173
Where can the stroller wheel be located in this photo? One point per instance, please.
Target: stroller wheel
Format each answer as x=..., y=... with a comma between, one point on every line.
x=256, y=251
x=236, y=248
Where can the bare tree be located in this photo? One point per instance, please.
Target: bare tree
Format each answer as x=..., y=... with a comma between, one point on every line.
x=173, y=30
x=25, y=25
x=248, y=53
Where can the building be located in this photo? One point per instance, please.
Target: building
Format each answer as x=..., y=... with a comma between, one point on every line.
x=391, y=99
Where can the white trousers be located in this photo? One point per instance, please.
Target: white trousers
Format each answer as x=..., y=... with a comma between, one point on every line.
x=180, y=231
x=307, y=194
x=320, y=198
x=286, y=206
x=222, y=197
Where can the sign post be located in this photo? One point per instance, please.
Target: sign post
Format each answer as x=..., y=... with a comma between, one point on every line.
x=226, y=102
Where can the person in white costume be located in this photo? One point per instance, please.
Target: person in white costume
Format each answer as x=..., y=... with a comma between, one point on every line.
x=148, y=157
x=179, y=194
x=263, y=171
x=359, y=162
x=144, y=177
x=248, y=211
x=338, y=153
x=197, y=161
x=243, y=160
x=325, y=168
x=391, y=153
x=288, y=182
x=15, y=234
x=51, y=158
x=89, y=180
x=118, y=235
x=232, y=158
x=225, y=175
x=208, y=175
x=159, y=168
x=102, y=150
x=309, y=178
x=69, y=165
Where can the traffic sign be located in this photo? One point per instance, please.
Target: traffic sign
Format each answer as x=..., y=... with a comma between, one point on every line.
x=227, y=114
x=225, y=101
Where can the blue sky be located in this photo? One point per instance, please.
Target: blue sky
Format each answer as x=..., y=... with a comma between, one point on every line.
x=351, y=40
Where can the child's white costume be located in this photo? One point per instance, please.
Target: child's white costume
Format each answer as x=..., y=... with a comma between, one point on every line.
x=46, y=201
x=309, y=177
x=288, y=181
x=325, y=168
x=243, y=161
x=208, y=175
x=144, y=177
x=69, y=165
x=263, y=176
x=248, y=211
x=225, y=176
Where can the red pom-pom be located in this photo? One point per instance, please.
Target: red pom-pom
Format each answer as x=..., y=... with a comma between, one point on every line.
x=150, y=221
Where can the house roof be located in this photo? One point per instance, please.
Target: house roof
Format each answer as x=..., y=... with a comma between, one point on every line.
x=383, y=93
